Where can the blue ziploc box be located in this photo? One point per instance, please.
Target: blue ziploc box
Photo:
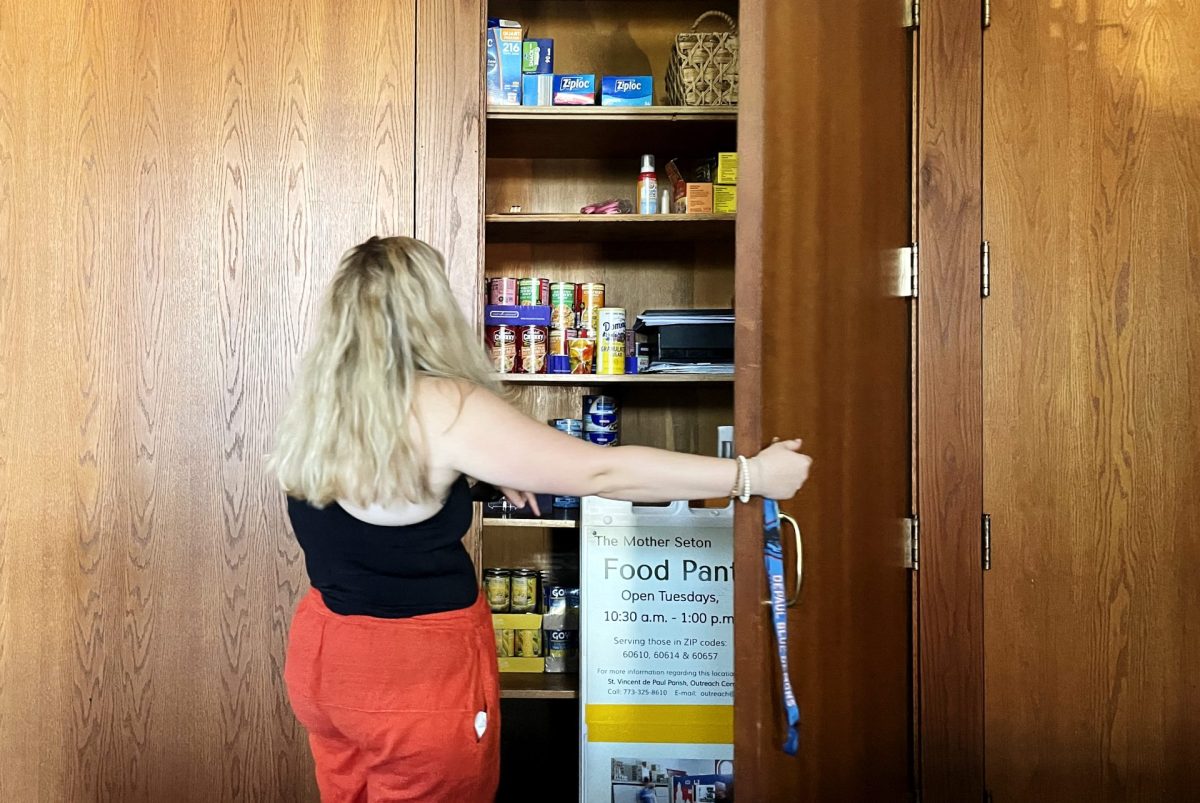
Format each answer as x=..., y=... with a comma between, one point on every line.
x=627, y=90
x=574, y=90
x=537, y=90
x=537, y=56
x=504, y=65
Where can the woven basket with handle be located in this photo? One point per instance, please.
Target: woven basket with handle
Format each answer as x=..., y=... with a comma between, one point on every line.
x=703, y=70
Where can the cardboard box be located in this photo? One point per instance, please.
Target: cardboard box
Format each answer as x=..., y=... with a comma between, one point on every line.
x=522, y=664
x=627, y=90
x=504, y=66
x=574, y=90
x=727, y=168
x=725, y=199
x=537, y=90
x=697, y=199
x=537, y=57
x=517, y=621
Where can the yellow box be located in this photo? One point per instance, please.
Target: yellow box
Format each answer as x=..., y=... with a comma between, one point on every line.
x=725, y=199
x=517, y=621
x=727, y=168
x=522, y=664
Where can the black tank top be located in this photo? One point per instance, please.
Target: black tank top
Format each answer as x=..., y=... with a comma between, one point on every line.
x=389, y=572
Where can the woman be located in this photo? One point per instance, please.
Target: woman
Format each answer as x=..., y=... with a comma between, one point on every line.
x=391, y=661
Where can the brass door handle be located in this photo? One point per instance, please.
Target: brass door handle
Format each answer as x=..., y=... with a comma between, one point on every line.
x=799, y=558
x=791, y=603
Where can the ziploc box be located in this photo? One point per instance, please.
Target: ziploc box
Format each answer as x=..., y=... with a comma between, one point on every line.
x=574, y=90
x=504, y=63
x=537, y=56
x=627, y=90
x=537, y=90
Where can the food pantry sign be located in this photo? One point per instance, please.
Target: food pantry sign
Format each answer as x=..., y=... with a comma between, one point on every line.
x=657, y=650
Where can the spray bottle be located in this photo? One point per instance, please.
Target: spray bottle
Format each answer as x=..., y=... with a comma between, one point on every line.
x=647, y=187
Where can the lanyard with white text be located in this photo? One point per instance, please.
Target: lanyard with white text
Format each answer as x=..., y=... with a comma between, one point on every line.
x=773, y=560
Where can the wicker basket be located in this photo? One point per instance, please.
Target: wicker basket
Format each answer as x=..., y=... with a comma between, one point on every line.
x=704, y=66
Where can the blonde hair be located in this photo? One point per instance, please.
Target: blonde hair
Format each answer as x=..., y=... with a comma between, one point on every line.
x=388, y=318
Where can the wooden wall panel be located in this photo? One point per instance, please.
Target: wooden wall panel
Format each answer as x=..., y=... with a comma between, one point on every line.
x=1092, y=405
x=177, y=181
x=949, y=378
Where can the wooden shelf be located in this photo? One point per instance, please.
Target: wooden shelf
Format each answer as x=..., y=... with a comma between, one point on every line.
x=557, y=132
x=559, y=228
x=587, y=380
x=516, y=521
x=539, y=686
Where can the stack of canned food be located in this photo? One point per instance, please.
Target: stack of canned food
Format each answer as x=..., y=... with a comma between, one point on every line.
x=534, y=326
x=536, y=621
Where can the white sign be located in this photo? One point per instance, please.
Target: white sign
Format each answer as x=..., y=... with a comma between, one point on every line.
x=657, y=651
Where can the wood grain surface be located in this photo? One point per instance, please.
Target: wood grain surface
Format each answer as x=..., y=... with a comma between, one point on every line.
x=177, y=181
x=949, y=376
x=823, y=354
x=1092, y=405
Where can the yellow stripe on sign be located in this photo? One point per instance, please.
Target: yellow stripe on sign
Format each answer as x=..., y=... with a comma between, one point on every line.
x=665, y=724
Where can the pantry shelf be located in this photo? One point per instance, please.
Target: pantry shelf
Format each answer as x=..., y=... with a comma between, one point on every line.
x=560, y=228
x=587, y=380
x=514, y=521
x=539, y=686
x=550, y=132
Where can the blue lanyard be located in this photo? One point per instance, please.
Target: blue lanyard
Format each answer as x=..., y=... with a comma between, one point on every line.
x=773, y=560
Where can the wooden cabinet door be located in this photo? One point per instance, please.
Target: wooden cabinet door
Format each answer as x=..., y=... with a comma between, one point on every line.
x=1092, y=401
x=823, y=354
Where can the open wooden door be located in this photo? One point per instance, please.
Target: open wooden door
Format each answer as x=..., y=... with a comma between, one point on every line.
x=823, y=354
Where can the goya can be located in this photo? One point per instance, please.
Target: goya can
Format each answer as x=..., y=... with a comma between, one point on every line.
x=497, y=584
x=534, y=347
x=502, y=291
x=601, y=414
x=533, y=292
x=610, y=341
x=524, y=597
x=591, y=299
x=505, y=643
x=528, y=644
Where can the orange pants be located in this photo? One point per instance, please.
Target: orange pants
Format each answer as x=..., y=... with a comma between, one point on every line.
x=397, y=709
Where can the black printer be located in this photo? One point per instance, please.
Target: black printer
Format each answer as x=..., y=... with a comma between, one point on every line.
x=692, y=337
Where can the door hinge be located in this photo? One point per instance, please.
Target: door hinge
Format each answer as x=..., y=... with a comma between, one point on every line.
x=912, y=540
x=987, y=13
x=912, y=14
x=909, y=272
x=985, y=268
x=987, y=541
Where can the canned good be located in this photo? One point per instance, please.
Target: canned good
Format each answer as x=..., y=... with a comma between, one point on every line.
x=505, y=643
x=558, y=341
x=583, y=352
x=562, y=304
x=601, y=414
x=533, y=292
x=631, y=352
x=524, y=597
x=601, y=438
x=591, y=299
x=610, y=341
x=562, y=650
x=571, y=426
x=528, y=644
x=503, y=348
x=502, y=291
x=534, y=343
x=497, y=585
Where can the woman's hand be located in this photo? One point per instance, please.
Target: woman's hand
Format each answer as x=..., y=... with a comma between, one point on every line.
x=779, y=471
x=521, y=498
